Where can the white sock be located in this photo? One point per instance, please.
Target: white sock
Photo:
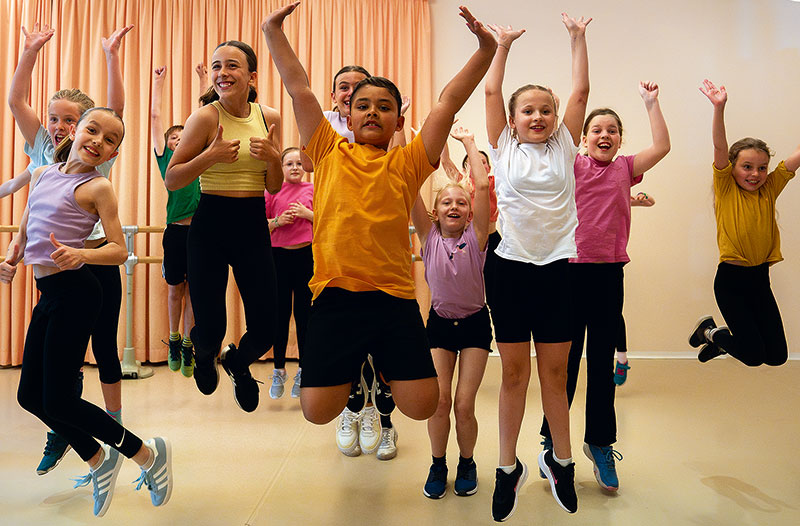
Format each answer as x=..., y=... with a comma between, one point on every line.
x=149, y=464
x=508, y=470
x=564, y=463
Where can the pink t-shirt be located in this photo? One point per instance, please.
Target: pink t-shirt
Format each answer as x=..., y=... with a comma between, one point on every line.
x=454, y=272
x=301, y=230
x=603, y=199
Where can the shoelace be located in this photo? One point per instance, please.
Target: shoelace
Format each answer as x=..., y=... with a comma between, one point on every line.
x=144, y=478
x=366, y=423
x=612, y=454
x=386, y=437
x=347, y=420
x=82, y=481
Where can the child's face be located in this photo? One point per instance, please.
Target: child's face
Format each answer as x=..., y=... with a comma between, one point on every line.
x=293, y=168
x=534, y=116
x=344, y=88
x=602, y=139
x=374, y=116
x=173, y=139
x=750, y=171
x=97, y=138
x=453, y=211
x=230, y=74
x=62, y=116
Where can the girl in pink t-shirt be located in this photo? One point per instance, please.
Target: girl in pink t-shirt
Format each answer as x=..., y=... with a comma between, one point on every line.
x=454, y=252
x=602, y=195
x=290, y=218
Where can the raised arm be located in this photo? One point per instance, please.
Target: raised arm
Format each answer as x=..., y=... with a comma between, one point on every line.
x=307, y=110
x=450, y=168
x=648, y=157
x=480, y=178
x=575, y=111
x=27, y=120
x=437, y=125
x=156, y=124
x=493, y=89
x=792, y=162
x=116, y=90
x=421, y=220
x=12, y=185
x=202, y=77
x=718, y=97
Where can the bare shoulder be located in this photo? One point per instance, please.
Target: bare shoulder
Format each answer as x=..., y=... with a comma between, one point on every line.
x=271, y=114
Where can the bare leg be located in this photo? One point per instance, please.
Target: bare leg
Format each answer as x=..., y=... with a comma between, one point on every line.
x=551, y=361
x=471, y=366
x=188, y=313
x=516, y=360
x=439, y=423
x=322, y=404
x=174, y=303
x=112, y=395
x=416, y=399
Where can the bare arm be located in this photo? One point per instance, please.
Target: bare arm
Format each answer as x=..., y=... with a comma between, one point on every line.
x=268, y=149
x=437, y=125
x=202, y=77
x=399, y=137
x=575, y=111
x=307, y=110
x=651, y=155
x=156, y=124
x=449, y=167
x=27, y=120
x=792, y=162
x=421, y=220
x=116, y=89
x=493, y=89
x=718, y=97
x=12, y=185
x=480, y=205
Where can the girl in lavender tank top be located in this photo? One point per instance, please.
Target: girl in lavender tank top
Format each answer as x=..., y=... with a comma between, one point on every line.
x=454, y=252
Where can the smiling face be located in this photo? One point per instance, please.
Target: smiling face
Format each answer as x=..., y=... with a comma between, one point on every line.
x=452, y=210
x=534, y=117
x=97, y=137
x=751, y=169
x=173, y=139
x=292, y=167
x=230, y=74
x=344, y=84
x=603, y=138
x=374, y=116
x=62, y=115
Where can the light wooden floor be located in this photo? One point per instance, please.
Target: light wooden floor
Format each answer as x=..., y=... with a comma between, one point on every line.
x=713, y=444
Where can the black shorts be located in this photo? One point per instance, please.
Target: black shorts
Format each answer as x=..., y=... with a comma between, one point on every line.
x=532, y=300
x=174, y=242
x=456, y=334
x=345, y=326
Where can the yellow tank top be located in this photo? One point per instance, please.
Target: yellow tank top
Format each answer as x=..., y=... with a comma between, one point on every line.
x=246, y=173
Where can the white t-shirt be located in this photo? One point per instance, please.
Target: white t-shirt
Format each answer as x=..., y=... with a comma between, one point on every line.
x=535, y=185
x=339, y=124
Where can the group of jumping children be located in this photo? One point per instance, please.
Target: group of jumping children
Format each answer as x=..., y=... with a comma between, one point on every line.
x=550, y=223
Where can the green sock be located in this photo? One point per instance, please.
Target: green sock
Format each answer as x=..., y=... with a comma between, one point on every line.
x=187, y=342
x=174, y=336
x=116, y=415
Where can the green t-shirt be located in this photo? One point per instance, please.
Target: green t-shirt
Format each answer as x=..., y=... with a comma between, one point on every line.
x=180, y=203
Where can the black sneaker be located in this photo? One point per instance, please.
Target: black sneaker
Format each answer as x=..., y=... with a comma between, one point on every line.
x=709, y=351
x=506, y=491
x=562, y=481
x=206, y=375
x=698, y=335
x=547, y=443
x=466, y=479
x=437, y=482
x=382, y=396
x=245, y=387
x=358, y=394
x=174, y=356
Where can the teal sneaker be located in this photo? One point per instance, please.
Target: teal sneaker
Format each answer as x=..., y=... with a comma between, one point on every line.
x=174, y=355
x=621, y=373
x=158, y=477
x=605, y=470
x=54, y=450
x=104, y=478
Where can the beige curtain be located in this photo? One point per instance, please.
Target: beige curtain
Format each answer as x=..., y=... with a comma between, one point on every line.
x=389, y=37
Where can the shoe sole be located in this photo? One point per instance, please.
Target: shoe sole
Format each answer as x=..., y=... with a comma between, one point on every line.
x=697, y=325
x=522, y=479
x=54, y=466
x=588, y=453
x=434, y=497
x=271, y=395
x=473, y=491
x=111, y=486
x=551, y=479
x=354, y=452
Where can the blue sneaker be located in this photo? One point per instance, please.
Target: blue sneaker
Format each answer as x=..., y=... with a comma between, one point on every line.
x=54, y=450
x=621, y=373
x=466, y=479
x=547, y=443
x=158, y=477
x=437, y=482
x=605, y=471
x=104, y=478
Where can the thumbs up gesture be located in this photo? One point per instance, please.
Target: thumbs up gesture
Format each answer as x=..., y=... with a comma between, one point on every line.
x=66, y=258
x=263, y=148
x=8, y=268
x=222, y=151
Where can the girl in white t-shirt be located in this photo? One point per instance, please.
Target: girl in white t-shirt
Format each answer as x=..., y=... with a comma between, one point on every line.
x=533, y=159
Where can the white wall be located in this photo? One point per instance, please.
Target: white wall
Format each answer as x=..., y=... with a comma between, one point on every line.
x=749, y=46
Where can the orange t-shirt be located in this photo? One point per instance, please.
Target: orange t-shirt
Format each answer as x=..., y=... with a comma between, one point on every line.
x=362, y=201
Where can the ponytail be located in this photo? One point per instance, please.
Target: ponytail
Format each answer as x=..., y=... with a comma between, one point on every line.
x=210, y=96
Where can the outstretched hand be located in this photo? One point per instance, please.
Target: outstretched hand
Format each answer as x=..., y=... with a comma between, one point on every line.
x=462, y=134
x=649, y=91
x=112, y=43
x=66, y=258
x=485, y=37
x=506, y=34
x=717, y=96
x=576, y=27
x=36, y=38
x=201, y=70
x=406, y=104
x=158, y=73
x=275, y=18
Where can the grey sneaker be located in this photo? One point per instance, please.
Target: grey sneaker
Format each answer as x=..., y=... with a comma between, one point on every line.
x=347, y=433
x=104, y=478
x=296, y=385
x=158, y=477
x=279, y=377
x=387, y=449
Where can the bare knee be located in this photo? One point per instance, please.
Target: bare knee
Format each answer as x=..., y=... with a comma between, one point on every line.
x=318, y=416
x=515, y=377
x=175, y=292
x=464, y=410
x=443, y=406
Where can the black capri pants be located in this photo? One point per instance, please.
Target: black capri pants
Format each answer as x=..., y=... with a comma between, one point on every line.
x=294, y=268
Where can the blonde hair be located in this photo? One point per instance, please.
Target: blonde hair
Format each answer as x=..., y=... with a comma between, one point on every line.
x=452, y=185
x=83, y=101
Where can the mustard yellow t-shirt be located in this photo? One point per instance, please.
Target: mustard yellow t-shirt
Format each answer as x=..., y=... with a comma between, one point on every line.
x=362, y=200
x=747, y=231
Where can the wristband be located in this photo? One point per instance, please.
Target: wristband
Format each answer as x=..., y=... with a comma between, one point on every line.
x=276, y=221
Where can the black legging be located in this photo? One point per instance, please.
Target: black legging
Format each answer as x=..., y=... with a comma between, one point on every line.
x=231, y=231
x=489, y=265
x=104, y=333
x=55, y=346
x=294, y=268
x=746, y=302
x=622, y=337
x=597, y=309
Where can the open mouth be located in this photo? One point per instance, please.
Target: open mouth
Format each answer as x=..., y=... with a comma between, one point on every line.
x=225, y=84
x=58, y=137
x=537, y=128
x=372, y=124
x=604, y=145
x=91, y=151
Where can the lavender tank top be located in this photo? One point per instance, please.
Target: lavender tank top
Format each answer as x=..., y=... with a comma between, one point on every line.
x=52, y=208
x=454, y=272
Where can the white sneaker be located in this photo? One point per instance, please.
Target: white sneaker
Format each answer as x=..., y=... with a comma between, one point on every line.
x=296, y=385
x=279, y=377
x=369, y=436
x=387, y=450
x=347, y=433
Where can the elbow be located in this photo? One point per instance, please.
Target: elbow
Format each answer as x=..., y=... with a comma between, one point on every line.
x=273, y=188
x=120, y=256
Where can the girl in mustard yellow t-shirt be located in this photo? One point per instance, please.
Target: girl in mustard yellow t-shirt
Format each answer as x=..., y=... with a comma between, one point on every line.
x=749, y=242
